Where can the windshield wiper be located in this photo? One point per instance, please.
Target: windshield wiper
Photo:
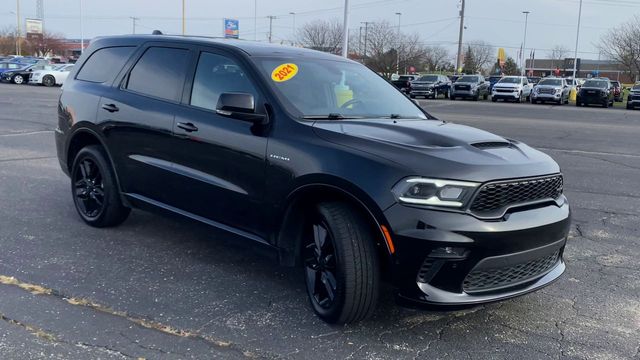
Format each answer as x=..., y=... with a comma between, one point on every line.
x=331, y=116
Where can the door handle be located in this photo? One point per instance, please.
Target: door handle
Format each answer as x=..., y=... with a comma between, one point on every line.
x=188, y=127
x=110, y=107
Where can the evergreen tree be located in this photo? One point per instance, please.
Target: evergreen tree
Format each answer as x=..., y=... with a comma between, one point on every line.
x=470, y=65
x=510, y=67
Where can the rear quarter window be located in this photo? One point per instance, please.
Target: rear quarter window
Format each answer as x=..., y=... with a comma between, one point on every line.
x=104, y=64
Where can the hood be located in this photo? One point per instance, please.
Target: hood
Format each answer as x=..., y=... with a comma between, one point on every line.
x=506, y=85
x=438, y=149
x=548, y=86
x=418, y=82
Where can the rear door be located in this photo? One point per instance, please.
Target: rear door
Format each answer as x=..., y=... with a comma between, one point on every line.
x=221, y=161
x=137, y=118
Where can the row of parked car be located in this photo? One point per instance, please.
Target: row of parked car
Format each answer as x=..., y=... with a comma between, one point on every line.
x=31, y=70
x=595, y=91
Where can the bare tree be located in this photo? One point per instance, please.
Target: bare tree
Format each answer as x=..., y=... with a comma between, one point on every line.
x=558, y=54
x=436, y=58
x=8, y=36
x=323, y=35
x=483, y=55
x=622, y=44
x=48, y=44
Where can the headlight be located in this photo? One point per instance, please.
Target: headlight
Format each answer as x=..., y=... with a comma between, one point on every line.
x=8, y=74
x=434, y=192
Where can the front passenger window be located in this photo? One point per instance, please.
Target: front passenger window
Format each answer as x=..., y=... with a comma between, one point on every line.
x=217, y=74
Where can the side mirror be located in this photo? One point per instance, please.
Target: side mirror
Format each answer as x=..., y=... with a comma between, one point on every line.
x=239, y=106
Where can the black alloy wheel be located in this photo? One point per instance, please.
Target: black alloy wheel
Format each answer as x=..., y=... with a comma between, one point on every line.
x=340, y=262
x=320, y=266
x=95, y=193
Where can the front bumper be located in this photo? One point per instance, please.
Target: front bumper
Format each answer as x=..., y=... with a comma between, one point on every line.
x=483, y=254
x=464, y=93
x=421, y=92
x=546, y=97
x=505, y=94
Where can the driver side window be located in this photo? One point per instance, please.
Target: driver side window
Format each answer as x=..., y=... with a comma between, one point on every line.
x=217, y=74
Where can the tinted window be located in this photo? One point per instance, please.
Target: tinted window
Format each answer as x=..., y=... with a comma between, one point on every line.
x=431, y=78
x=215, y=75
x=160, y=72
x=596, y=83
x=468, y=79
x=551, y=82
x=104, y=64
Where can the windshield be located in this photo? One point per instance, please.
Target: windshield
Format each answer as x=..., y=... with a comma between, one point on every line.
x=551, y=82
x=334, y=89
x=430, y=78
x=468, y=79
x=595, y=83
x=509, y=80
x=615, y=83
x=405, y=78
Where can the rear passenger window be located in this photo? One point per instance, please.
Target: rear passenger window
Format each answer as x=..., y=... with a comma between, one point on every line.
x=104, y=64
x=160, y=73
x=217, y=74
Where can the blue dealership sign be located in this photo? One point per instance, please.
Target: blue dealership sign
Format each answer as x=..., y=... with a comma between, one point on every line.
x=231, y=28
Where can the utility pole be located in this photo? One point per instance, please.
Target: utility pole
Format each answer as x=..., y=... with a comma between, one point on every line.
x=271, y=17
x=134, y=19
x=183, y=17
x=575, y=54
x=524, y=43
x=398, y=46
x=459, y=57
x=366, y=31
x=255, y=20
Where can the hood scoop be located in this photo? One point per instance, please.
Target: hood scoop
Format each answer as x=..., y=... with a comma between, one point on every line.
x=492, y=145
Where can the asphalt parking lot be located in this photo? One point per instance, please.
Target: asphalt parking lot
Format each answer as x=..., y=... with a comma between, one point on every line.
x=165, y=288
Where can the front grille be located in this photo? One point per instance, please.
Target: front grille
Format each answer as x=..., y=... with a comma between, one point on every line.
x=505, y=90
x=462, y=87
x=499, y=278
x=635, y=97
x=548, y=91
x=493, y=198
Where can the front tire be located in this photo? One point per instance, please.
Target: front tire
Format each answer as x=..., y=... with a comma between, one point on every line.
x=94, y=189
x=341, y=267
x=49, y=81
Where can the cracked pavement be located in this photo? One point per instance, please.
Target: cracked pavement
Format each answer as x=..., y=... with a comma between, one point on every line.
x=168, y=288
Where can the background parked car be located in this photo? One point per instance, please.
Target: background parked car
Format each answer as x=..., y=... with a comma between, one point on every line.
x=8, y=66
x=53, y=75
x=470, y=86
x=21, y=76
x=430, y=86
x=633, y=100
x=595, y=91
x=551, y=89
x=617, y=90
x=515, y=88
x=404, y=82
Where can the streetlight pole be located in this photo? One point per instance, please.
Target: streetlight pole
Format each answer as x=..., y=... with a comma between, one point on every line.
x=366, y=32
x=294, y=27
x=575, y=54
x=398, y=46
x=18, y=29
x=81, y=30
x=183, y=17
x=345, y=30
x=524, y=43
x=271, y=17
x=255, y=20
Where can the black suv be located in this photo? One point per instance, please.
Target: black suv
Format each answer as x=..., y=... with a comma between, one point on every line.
x=430, y=86
x=470, y=86
x=316, y=158
x=595, y=91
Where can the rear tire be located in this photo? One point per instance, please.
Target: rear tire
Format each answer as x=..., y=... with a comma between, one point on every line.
x=485, y=96
x=629, y=107
x=95, y=190
x=18, y=79
x=494, y=99
x=452, y=97
x=341, y=267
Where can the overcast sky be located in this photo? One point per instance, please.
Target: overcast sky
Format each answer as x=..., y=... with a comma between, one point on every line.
x=499, y=22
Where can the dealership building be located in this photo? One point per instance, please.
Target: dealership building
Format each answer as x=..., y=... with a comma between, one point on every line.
x=585, y=68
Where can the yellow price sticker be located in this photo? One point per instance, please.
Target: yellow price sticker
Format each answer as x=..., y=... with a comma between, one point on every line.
x=284, y=72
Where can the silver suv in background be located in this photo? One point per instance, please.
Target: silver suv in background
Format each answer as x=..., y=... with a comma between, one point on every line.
x=515, y=88
x=551, y=89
